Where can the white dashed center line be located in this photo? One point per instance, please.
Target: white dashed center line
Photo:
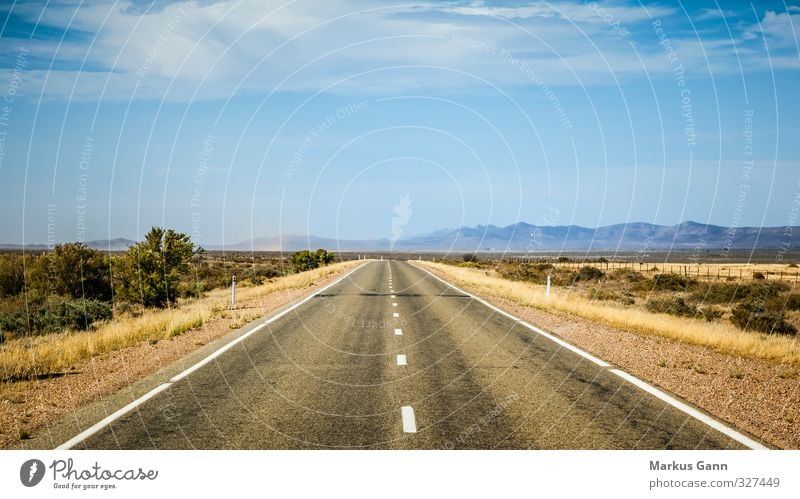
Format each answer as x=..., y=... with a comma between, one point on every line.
x=409, y=422
x=395, y=314
x=398, y=332
x=394, y=304
x=401, y=360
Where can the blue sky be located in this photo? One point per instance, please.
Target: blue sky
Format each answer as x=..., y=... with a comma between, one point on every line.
x=238, y=119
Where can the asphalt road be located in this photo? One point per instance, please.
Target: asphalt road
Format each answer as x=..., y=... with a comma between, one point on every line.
x=328, y=375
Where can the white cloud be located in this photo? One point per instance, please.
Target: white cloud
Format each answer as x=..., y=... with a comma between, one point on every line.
x=213, y=50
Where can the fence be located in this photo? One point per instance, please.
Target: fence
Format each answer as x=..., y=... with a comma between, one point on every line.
x=711, y=271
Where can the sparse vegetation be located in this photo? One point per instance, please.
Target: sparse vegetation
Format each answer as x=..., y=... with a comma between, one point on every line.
x=589, y=274
x=672, y=306
x=758, y=318
x=746, y=319
x=306, y=260
x=150, y=271
x=26, y=357
x=63, y=305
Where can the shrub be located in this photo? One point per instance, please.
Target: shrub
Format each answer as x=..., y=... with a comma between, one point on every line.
x=673, y=282
x=78, y=271
x=732, y=292
x=306, y=260
x=672, y=306
x=12, y=275
x=758, y=276
x=793, y=301
x=469, y=257
x=756, y=317
x=587, y=273
x=626, y=275
x=57, y=315
x=710, y=314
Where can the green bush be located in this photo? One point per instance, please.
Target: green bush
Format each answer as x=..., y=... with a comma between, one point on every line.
x=793, y=302
x=672, y=282
x=672, y=306
x=732, y=292
x=56, y=315
x=588, y=273
x=12, y=275
x=757, y=317
x=711, y=314
x=306, y=260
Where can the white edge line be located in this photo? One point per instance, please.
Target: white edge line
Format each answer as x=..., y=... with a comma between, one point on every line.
x=409, y=422
x=533, y=328
x=691, y=411
x=708, y=420
x=80, y=437
x=155, y=391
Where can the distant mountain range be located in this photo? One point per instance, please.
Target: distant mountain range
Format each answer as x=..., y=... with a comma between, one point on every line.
x=118, y=244
x=525, y=237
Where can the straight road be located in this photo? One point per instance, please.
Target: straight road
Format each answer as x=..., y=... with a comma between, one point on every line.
x=392, y=358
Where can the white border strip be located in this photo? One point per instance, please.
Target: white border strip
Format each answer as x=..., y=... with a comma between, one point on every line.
x=559, y=341
x=687, y=409
x=409, y=421
x=691, y=411
x=80, y=437
x=160, y=388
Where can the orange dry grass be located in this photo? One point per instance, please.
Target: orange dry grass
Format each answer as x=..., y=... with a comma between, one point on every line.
x=722, y=337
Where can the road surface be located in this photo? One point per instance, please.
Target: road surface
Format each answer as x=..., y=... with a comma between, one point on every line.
x=392, y=358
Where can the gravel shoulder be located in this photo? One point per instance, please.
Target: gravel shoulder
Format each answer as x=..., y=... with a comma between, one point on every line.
x=754, y=395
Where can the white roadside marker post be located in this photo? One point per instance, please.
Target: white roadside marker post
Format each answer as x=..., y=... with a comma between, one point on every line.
x=233, y=290
x=547, y=291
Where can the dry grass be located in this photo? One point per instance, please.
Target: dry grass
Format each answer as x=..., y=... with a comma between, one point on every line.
x=53, y=354
x=705, y=271
x=722, y=337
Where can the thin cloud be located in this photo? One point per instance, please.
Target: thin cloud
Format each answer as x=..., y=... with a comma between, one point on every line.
x=213, y=50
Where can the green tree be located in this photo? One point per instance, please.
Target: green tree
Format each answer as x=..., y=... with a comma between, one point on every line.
x=324, y=257
x=12, y=275
x=78, y=271
x=306, y=260
x=150, y=271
